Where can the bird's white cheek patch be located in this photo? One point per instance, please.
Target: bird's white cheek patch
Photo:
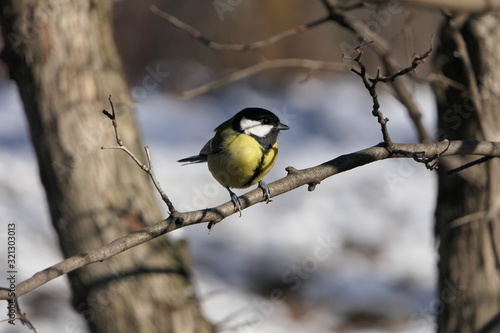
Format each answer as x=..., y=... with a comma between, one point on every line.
x=253, y=127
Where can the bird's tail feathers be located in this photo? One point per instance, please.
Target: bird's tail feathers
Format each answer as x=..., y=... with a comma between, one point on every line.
x=193, y=159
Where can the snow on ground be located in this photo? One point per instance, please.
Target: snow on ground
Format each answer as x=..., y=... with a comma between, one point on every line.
x=355, y=255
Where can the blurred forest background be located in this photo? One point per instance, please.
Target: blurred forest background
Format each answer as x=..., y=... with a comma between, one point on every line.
x=144, y=39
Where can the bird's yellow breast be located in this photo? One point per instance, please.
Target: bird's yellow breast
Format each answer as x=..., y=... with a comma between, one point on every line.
x=242, y=162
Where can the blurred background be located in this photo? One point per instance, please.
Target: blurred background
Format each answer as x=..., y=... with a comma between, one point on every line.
x=355, y=255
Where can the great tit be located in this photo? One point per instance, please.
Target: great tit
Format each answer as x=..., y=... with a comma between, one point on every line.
x=242, y=151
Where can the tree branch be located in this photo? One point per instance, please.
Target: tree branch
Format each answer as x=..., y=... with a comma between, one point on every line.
x=21, y=316
x=371, y=85
x=295, y=179
x=262, y=66
x=234, y=47
x=466, y=6
x=148, y=169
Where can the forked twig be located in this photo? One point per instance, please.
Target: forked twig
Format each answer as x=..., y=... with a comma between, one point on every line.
x=21, y=316
x=146, y=168
x=371, y=85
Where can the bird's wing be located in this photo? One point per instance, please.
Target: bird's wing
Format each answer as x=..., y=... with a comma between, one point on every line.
x=223, y=134
x=207, y=148
x=213, y=146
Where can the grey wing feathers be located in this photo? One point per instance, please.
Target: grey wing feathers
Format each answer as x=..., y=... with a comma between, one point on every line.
x=207, y=149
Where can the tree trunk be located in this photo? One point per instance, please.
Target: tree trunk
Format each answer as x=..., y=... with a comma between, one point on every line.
x=467, y=213
x=62, y=56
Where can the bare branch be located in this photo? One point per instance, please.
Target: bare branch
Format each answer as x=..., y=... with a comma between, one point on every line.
x=21, y=316
x=148, y=169
x=234, y=47
x=294, y=179
x=371, y=85
x=483, y=215
x=417, y=60
x=406, y=98
x=383, y=48
x=491, y=326
x=151, y=173
x=470, y=164
x=465, y=6
x=112, y=116
x=262, y=66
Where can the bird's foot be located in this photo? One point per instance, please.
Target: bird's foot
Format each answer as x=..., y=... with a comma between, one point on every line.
x=267, y=191
x=236, y=201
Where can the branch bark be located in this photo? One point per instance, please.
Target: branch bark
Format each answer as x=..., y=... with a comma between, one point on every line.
x=472, y=7
x=295, y=179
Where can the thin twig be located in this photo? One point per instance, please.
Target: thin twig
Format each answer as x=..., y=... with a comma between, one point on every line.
x=151, y=173
x=234, y=47
x=129, y=153
x=21, y=316
x=295, y=179
x=471, y=7
x=112, y=116
x=431, y=163
x=371, y=85
x=148, y=169
x=262, y=66
x=417, y=60
x=491, y=326
x=383, y=48
x=463, y=220
x=468, y=165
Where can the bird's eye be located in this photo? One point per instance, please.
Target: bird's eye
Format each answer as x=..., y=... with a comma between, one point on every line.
x=266, y=121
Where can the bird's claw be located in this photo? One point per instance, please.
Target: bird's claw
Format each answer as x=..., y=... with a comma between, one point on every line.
x=267, y=191
x=236, y=201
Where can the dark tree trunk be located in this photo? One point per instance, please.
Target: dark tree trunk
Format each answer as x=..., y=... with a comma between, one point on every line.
x=467, y=213
x=63, y=58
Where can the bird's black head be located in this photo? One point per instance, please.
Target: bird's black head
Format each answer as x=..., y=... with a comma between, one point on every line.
x=259, y=123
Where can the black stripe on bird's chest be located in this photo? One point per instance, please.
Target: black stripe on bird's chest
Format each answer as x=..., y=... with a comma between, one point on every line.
x=260, y=167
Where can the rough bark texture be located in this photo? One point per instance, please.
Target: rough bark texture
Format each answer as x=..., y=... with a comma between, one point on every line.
x=62, y=55
x=469, y=272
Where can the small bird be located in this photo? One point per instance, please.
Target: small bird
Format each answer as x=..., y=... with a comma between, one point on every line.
x=242, y=151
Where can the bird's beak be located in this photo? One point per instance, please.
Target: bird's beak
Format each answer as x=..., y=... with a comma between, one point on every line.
x=282, y=127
